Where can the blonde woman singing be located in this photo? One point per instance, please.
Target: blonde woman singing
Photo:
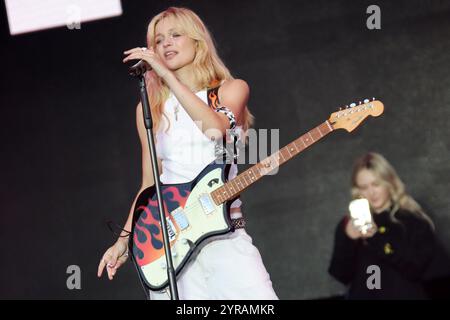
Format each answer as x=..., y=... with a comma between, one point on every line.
x=185, y=65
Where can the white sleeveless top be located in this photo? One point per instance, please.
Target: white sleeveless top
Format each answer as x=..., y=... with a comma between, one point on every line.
x=184, y=149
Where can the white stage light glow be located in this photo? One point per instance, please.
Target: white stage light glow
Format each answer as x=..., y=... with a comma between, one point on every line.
x=31, y=15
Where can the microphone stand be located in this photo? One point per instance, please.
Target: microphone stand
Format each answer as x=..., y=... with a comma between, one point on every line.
x=138, y=71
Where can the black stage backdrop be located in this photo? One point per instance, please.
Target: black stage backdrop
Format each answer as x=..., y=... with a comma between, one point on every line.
x=70, y=155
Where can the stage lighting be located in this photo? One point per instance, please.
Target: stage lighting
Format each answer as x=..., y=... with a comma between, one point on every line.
x=31, y=15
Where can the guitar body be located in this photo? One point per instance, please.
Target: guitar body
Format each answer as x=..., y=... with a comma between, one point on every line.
x=192, y=216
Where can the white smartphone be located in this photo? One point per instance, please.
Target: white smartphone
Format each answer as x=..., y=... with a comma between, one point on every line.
x=360, y=214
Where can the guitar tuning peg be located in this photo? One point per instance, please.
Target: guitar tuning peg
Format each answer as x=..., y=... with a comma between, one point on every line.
x=366, y=100
x=352, y=105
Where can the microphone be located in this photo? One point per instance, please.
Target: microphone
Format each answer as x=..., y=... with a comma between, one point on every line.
x=139, y=68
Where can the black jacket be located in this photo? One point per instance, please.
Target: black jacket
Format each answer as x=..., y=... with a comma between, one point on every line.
x=402, y=252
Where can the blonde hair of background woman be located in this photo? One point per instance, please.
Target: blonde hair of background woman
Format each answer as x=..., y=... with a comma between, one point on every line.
x=387, y=176
x=209, y=70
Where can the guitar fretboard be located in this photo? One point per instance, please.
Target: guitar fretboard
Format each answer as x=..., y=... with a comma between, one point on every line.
x=234, y=187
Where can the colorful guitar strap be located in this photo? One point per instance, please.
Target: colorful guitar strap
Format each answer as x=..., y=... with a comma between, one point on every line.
x=214, y=103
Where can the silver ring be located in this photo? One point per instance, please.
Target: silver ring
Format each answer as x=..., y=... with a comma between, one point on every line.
x=143, y=48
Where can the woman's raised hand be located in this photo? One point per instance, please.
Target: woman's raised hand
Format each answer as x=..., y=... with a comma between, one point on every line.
x=150, y=57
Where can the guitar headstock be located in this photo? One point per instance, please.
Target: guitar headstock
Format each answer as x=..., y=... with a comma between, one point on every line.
x=351, y=116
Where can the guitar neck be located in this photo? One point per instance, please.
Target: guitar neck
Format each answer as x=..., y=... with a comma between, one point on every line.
x=236, y=186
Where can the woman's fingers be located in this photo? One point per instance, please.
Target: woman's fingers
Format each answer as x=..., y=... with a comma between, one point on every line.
x=138, y=49
x=150, y=57
x=107, y=257
x=111, y=273
x=133, y=56
x=113, y=258
x=109, y=261
x=110, y=267
x=119, y=263
x=101, y=266
x=113, y=270
x=370, y=233
x=139, y=55
x=112, y=262
x=132, y=50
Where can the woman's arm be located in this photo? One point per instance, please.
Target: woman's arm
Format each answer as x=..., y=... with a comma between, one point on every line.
x=115, y=256
x=233, y=95
x=147, y=172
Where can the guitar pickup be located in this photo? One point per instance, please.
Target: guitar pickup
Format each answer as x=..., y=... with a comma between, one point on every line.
x=207, y=203
x=180, y=218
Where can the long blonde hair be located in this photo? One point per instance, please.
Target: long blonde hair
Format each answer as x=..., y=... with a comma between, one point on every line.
x=387, y=175
x=209, y=70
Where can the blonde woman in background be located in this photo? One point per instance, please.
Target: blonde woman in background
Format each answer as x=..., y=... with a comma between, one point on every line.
x=400, y=243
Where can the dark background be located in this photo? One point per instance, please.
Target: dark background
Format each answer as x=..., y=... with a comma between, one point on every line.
x=70, y=154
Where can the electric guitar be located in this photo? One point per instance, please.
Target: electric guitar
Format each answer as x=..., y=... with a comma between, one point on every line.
x=199, y=209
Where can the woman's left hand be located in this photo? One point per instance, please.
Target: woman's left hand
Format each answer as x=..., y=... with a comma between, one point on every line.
x=150, y=57
x=370, y=232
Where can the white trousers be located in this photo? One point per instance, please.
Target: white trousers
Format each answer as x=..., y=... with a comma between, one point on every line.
x=226, y=268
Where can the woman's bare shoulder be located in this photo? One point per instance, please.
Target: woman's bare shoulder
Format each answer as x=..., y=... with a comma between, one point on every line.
x=234, y=93
x=235, y=86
